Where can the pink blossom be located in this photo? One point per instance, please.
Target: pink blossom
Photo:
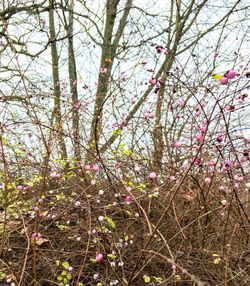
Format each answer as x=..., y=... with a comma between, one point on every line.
x=77, y=203
x=137, y=168
x=197, y=161
x=237, y=165
x=221, y=188
x=128, y=199
x=27, y=188
x=103, y=70
x=148, y=114
x=228, y=164
x=172, y=178
x=220, y=138
x=152, y=175
x=210, y=163
x=95, y=168
x=124, y=123
x=199, y=138
x=99, y=258
x=236, y=177
x=43, y=22
x=101, y=192
x=53, y=175
x=204, y=129
x=87, y=167
x=224, y=80
x=78, y=105
x=208, y=180
x=204, y=121
x=177, y=144
x=20, y=188
x=231, y=74
x=36, y=235
x=240, y=179
x=118, y=164
x=229, y=107
x=240, y=100
x=152, y=81
x=180, y=102
x=159, y=49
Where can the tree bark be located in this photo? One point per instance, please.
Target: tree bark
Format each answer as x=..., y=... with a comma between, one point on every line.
x=109, y=49
x=56, y=82
x=73, y=83
x=158, y=129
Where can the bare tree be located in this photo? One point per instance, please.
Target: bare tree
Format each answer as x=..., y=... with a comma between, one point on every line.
x=109, y=49
x=56, y=82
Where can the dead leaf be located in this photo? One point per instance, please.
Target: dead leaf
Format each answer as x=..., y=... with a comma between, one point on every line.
x=11, y=277
x=189, y=196
x=38, y=241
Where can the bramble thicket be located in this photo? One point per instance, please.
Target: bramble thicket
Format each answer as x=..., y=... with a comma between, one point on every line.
x=124, y=142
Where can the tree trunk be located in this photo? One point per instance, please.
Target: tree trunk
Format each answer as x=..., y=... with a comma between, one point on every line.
x=158, y=129
x=73, y=84
x=109, y=49
x=56, y=82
